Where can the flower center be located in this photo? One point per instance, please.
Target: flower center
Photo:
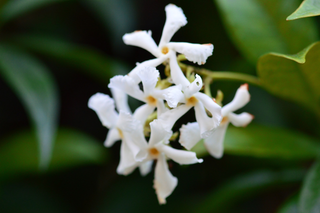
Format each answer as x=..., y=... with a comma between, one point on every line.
x=120, y=133
x=151, y=100
x=165, y=50
x=224, y=120
x=154, y=152
x=192, y=101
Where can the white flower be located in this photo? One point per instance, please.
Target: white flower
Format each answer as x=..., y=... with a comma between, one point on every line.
x=196, y=53
x=189, y=134
x=104, y=106
x=191, y=97
x=164, y=182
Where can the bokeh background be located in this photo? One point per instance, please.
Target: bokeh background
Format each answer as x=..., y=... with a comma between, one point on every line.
x=80, y=44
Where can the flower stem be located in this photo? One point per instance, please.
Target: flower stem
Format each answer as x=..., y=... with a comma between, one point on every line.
x=223, y=75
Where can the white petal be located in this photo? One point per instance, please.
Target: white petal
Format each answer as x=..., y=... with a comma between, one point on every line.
x=241, y=98
x=164, y=182
x=206, y=124
x=121, y=100
x=112, y=137
x=173, y=95
x=103, y=105
x=132, y=132
x=212, y=107
x=180, y=156
x=169, y=118
x=149, y=77
x=175, y=19
x=158, y=133
x=143, y=112
x=197, y=53
x=176, y=72
x=149, y=63
x=214, y=143
x=161, y=108
x=127, y=162
x=194, y=87
x=145, y=167
x=189, y=135
x=242, y=119
x=142, y=39
x=127, y=85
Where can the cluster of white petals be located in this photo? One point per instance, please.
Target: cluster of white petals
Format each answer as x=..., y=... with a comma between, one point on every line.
x=170, y=103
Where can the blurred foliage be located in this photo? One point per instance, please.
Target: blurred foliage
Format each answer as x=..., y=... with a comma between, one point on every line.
x=54, y=54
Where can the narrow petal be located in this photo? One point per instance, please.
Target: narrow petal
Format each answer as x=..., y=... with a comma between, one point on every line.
x=143, y=112
x=121, y=100
x=103, y=105
x=127, y=85
x=173, y=95
x=149, y=63
x=164, y=181
x=242, y=119
x=169, y=118
x=189, y=135
x=127, y=162
x=194, y=87
x=197, y=53
x=241, y=98
x=161, y=108
x=176, y=72
x=145, y=167
x=175, y=19
x=132, y=132
x=214, y=143
x=206, y=124
x=112, y=137
x=142, y=39
x=180, y=156
x=149, y=77
x=158, y=133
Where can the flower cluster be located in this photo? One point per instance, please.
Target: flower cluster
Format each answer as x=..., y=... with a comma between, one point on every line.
x=168, y=99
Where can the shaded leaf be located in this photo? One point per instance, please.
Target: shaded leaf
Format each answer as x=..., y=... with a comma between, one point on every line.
x=35, y=87
x=18, y=154
x=268, y=142
x=290, y=206
x=258, y=27
x=309, y=201
x=245, y=186
x=87, y=59
x=15, y=8
x=307, y=8
x=293, y=77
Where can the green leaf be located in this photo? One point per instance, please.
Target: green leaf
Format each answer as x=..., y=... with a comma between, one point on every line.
x=15, y=8
x=309, y=201
x=89, y=60
x=290, y=206
x=242, y=187
x=35, y=87
x=18, y=154
x=307, y=8
x=293, y=77
x=258, y=27
x=267, y=142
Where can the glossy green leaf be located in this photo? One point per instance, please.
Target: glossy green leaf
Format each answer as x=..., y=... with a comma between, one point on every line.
x=35, y=87
x=18, y=154
x=15, y=8
x=307, y=8
x=242, y=187
x=290, y=206
x=309, y=201
x=267, y=142
x=258, y=27
x=293, y=77
x=89, y=60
